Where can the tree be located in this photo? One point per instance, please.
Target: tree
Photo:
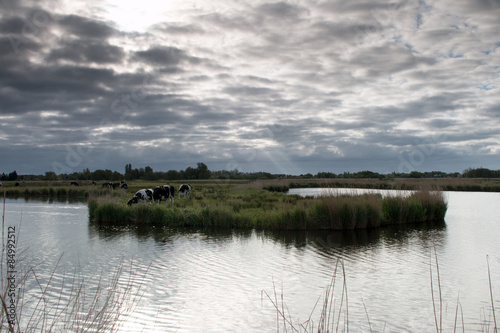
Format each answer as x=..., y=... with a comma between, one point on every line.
x=12, y=175
x=50, y=175
x=128, y=169
x=203, y=172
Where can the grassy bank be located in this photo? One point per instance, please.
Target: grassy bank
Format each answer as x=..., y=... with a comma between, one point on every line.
x=223, y=205
x=436, y=184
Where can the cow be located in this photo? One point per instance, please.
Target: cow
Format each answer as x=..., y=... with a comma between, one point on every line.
x=144, y=195
x=185, y=189
x=107, y=185
x=73, y=183
x=164, y=192
x=1, y=184
x=124, y=186
x=114, y=185
x=16, y=184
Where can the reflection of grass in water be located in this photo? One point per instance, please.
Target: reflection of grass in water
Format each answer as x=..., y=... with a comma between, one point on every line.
x=78, y=304
x=334, y=309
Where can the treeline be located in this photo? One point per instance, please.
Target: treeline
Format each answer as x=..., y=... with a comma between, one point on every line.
x=481, y=173
x=202, y=172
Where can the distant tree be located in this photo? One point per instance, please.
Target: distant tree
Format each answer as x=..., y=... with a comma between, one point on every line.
x=12, y=175
x=103, y=174
x=190, y=173
x=325, y=175
x=50, y=176
x=128, y=171
x=481, y=173
x=172, y=175
x=415, y=174
x=116, y=176
x=203, y=172
x=148, y=173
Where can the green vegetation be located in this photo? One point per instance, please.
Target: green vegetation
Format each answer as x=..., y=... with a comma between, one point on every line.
x=242, y=206
x=54, y=191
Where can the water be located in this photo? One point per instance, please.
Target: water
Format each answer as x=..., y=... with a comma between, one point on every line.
x=199, y=281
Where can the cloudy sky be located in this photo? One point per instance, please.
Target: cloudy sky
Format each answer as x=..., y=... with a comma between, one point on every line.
x=255, y=85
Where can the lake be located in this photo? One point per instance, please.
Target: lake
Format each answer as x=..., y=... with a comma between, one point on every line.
x=206, y=281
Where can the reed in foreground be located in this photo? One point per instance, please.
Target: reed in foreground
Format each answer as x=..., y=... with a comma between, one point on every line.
x=78, y=304
x=334, y=307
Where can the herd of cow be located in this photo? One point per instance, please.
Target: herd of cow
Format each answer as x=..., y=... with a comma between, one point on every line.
x=164, y=192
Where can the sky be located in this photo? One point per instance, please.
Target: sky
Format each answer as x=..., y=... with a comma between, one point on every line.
x=288, y=87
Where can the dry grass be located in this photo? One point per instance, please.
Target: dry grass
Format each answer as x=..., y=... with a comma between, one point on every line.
x=334, y=306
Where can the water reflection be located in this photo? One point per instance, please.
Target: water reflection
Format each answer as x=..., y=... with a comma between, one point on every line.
x=425, y=235
x=212, y=280
x=48, y=200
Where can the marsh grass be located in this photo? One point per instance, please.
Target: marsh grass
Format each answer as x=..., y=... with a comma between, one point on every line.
x=58, y=192
x=225, y=206
x=333, y=307
x=80, y=303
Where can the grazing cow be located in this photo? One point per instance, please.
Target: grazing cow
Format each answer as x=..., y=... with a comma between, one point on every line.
x=107, y=185
x=124, y=186
x=115, y=185
x=73, y=183
x=1, y=184
x=144, y=195
x=185, y=189
x=16, y=184
x=94, y=183
x=164, y=192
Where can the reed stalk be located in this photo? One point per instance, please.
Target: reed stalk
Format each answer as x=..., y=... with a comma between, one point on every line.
x=495, y=329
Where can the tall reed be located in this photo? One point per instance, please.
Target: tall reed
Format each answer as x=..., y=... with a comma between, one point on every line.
x=334, y=306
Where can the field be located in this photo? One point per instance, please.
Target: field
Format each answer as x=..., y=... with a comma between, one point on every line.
x=241, y=204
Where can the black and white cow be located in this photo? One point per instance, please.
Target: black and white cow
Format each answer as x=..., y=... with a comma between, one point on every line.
x=73, y=183
x=144, y=195
x=107, y=185
x=124, y=186
x=164, y=192
x=185, y=190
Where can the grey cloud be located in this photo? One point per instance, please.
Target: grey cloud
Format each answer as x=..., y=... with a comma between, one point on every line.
x=177, y=29
x=249, y=91
x=87, y=52
x=303, y=87
x=85, y=27
x=281, y=10
x=161, y=55
x=388, y=59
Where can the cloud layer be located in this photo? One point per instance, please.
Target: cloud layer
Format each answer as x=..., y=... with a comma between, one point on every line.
x=285, y=87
